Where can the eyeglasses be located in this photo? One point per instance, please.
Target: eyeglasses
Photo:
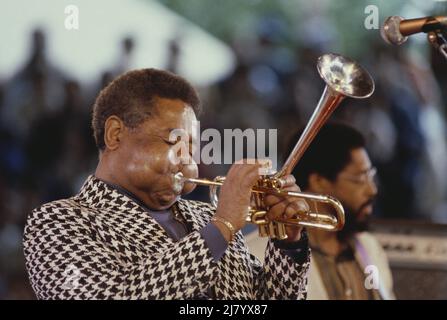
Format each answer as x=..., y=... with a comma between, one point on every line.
x=362, y=178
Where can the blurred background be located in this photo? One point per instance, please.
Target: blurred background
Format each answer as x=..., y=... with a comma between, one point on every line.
x=254, y=64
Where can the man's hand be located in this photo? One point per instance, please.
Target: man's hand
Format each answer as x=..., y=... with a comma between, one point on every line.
x=235, y=194
x=283, y=208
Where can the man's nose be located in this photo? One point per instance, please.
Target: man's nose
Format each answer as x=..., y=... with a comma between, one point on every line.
x=371, y=188
x=184, y=152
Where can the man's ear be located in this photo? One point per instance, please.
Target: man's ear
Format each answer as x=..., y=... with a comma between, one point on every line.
x=319, y=184
x=113, y=132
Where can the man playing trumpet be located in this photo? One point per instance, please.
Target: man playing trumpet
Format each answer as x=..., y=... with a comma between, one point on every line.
x=128, y=234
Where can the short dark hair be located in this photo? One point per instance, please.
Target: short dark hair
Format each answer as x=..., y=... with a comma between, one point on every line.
x=131, y=97
x=328, y=154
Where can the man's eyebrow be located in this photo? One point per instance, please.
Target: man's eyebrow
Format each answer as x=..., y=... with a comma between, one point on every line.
x=182, y=132
x=365, y=170
x=172, y=129
x=169, y=130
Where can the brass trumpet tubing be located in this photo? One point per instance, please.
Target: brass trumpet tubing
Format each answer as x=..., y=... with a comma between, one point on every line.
x=326, y=106
x=203, y=182
x=334, y=223
x=264, y=190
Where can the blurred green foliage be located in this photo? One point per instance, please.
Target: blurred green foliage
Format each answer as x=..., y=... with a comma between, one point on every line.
x=232, y=19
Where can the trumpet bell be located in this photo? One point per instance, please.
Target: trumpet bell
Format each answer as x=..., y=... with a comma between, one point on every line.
x=345, y=76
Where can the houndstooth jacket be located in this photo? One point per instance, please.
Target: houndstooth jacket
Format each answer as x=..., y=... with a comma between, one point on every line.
x=100, y=244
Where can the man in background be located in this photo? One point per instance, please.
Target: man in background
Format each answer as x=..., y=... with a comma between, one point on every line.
x=349, y=264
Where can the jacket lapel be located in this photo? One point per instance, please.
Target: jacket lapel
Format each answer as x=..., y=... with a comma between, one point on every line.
x=196, y=220
x=124, y=225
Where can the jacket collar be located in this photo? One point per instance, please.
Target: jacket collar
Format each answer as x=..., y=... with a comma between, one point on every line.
x=103, y=196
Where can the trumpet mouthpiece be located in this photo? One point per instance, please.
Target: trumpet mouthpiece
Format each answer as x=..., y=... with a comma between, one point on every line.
x=178, y=182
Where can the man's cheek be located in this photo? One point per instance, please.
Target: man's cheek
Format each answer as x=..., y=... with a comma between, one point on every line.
x=173, y=157
x=155, y=160
x=180, y=154
x=189, y=171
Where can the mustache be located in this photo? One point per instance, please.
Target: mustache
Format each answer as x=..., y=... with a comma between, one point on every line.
x=367, y=203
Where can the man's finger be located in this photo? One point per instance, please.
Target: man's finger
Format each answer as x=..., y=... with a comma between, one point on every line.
x=287, y=181
x=276, y=212
x=271, y=198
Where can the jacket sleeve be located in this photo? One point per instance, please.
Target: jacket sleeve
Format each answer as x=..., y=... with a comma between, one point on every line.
x=65, y=260
x=281, y=276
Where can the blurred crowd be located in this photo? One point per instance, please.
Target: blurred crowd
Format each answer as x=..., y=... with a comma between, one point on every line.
x=47, y=148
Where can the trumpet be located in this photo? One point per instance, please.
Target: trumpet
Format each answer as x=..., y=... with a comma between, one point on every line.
x=344, y=78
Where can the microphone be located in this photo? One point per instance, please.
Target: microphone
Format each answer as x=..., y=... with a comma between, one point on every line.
x=396, y=30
